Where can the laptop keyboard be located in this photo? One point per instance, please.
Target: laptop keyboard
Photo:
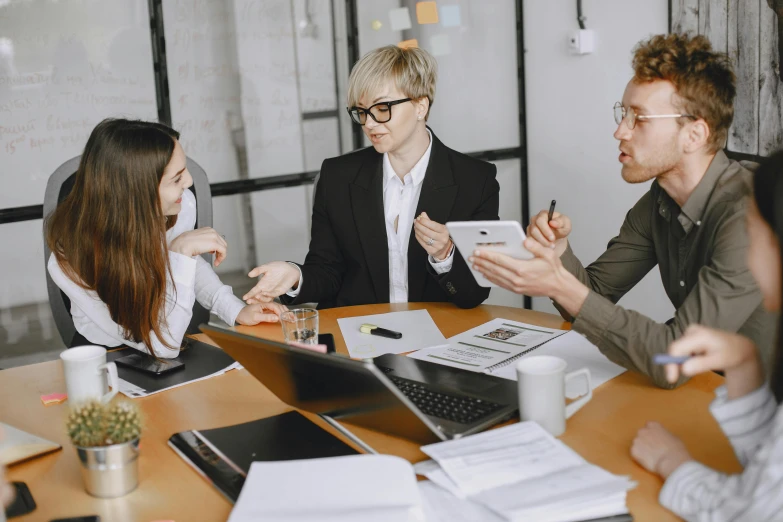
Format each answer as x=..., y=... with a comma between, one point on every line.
x=460, y=409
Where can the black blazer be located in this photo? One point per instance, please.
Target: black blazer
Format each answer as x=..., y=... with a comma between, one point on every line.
x=348, y=261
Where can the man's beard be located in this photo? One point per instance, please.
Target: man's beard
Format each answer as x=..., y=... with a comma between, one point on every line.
x=661, y=163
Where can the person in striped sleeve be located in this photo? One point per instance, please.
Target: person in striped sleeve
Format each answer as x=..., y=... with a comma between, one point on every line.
x=747, y=406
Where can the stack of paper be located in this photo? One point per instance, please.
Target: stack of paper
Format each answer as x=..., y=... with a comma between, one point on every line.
x=356, y=488
x=519, y=472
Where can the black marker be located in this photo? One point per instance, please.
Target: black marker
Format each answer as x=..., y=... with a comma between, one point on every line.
x=383, y=332
x=551, y=210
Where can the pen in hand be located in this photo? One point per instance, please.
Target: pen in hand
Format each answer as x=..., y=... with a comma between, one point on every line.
x=662, y=358
x=551, y=210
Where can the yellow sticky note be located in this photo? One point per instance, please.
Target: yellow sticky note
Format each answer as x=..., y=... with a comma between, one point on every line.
x=408, y=43
x=376, y=25
x=427, y=12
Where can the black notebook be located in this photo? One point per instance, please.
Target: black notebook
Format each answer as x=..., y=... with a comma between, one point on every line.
x=223, y=455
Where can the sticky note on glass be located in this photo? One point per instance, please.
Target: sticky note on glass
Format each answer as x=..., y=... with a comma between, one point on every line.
x=400, y=19
x=450, y=16
x=408, y=43
x=440, y=45
x=427, y=12
x=53, y=398
x=376, y=25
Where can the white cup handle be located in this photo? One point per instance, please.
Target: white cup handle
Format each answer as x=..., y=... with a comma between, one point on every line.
x=114, y=381
x=577, y=404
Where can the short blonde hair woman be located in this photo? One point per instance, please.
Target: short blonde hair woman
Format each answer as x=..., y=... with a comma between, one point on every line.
x=378, y=232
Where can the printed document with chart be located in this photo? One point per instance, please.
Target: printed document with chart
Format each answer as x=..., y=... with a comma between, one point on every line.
x=490, y=346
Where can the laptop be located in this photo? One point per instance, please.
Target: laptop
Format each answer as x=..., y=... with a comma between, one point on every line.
x=417, y=400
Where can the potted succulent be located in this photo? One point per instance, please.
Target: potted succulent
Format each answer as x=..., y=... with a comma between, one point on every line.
x=106, y=437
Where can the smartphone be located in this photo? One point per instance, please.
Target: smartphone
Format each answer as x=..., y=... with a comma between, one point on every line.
x=148, y=364
x=505, y=237
x=23, y=501
x=89, y=518
x=328, y=340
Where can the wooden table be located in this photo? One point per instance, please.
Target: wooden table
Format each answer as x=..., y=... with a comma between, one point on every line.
x=169, y=489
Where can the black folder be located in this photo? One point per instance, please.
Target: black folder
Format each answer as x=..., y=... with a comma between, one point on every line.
x=223, y=455
x=201, y=360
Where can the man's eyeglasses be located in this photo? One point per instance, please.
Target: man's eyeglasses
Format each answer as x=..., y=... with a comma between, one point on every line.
x=380, y=112
x=630, y=116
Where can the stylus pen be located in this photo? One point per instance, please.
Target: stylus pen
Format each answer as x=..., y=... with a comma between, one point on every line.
x=662, y=358
x=383, y=332
x=551, y=210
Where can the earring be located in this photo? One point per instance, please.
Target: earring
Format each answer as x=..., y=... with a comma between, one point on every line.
x=419, y=117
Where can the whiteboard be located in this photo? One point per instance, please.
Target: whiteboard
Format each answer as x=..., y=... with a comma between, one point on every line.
x=79, y=63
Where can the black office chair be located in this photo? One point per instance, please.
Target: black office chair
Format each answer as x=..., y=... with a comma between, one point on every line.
x=60, y=185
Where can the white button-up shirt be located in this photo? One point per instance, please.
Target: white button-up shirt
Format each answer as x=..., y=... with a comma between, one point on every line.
x=400, y=199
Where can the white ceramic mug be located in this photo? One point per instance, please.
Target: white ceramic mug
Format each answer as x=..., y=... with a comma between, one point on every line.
x=541, y=382
x=85, y=370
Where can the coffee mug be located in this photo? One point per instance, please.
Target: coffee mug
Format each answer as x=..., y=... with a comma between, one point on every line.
x=541, y=382
x=85, y=370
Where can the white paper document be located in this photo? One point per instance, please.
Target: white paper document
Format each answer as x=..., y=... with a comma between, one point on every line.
x=519, y=472
x=489, y=347
x=417, y=328
x=441, y=506
x=578, y=352
x=502, y=456
x=577, y=493
x=352, y=489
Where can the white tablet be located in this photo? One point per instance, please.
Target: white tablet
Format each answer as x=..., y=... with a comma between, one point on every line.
x=505, y=237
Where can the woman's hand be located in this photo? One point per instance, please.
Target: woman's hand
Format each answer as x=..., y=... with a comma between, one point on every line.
x=277, y=278
x=717, y=350
x=260, y=313
x=200, y=241
x=659, y=451
x=432, y=236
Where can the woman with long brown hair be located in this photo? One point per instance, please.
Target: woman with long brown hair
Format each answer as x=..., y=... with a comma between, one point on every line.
x=123, y=246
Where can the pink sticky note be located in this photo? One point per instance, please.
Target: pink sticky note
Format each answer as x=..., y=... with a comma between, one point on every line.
x=53, y=398
x=320, y=348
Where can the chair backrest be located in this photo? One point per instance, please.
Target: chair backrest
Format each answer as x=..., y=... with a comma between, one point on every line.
x=59, y=186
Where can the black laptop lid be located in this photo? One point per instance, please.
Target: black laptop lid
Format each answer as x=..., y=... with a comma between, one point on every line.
x=344, y=389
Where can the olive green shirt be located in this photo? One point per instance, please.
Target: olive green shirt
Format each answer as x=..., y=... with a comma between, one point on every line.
x=701, y=251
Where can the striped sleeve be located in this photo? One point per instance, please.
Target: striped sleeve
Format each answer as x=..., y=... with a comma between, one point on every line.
x=755, y=429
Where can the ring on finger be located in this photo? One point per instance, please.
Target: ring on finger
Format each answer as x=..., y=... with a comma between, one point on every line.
x=430, y=241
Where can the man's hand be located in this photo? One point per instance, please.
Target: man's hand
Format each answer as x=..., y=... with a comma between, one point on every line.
x=549, y=233
x=543, y=275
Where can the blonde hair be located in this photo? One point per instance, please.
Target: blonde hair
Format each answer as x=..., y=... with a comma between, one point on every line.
x=413, y=70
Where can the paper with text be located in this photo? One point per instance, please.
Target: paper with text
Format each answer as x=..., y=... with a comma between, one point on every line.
x=486, y=347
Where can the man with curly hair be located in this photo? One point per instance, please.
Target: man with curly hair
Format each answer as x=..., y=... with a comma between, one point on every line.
x=672, y=125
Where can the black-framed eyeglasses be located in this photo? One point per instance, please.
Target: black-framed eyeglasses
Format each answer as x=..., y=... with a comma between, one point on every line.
x=630, y=117
x=380, y=112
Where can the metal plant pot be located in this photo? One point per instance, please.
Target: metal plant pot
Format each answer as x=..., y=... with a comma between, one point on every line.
x=110, y=471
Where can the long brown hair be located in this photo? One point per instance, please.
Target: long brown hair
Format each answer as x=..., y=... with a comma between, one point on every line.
x=109, y=234
x=768, y=194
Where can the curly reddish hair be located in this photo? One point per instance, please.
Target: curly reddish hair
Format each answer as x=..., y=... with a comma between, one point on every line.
x=703, y=78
